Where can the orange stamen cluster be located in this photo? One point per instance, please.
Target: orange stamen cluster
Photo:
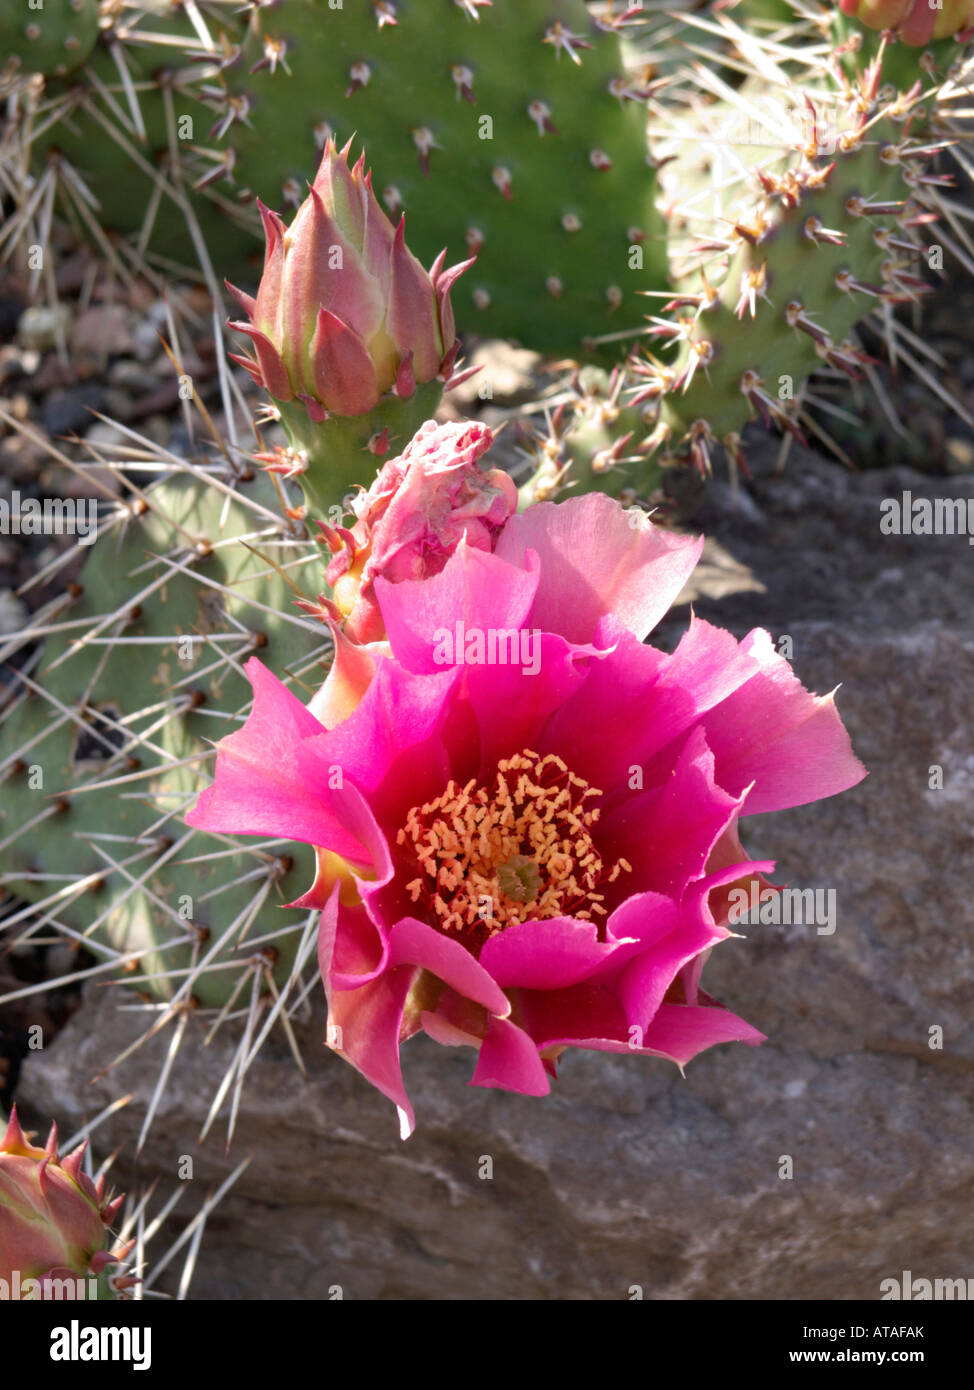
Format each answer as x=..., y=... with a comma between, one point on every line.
x=523, y=849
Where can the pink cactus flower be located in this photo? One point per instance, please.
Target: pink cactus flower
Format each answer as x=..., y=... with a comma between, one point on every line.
x=54, y=1221
x=344, y=312
x=531, y=846
x=413, y=517
x=917, y=22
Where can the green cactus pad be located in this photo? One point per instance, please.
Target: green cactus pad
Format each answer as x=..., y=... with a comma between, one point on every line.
x=113, y=709
x=48, y=36
x=774, y=307
x=558, y=201
x=599, y=448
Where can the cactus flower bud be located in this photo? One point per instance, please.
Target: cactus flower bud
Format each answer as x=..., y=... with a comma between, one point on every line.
x=352, y=338
x=915, y=21
x=54, y=1221
x=414, y=516
x=344, y=311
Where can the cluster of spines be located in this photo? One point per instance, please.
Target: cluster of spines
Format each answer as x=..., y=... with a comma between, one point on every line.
x=94, y=850
x=745, y=322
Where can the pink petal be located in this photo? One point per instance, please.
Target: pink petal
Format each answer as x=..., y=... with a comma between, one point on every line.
x=392, y=747
x=709, y=664
x=772, y=732
x=549, y=954
x=918, y=25
x=514, y=707
x=474, y=588
x=727, y=869
x=443, y=282
x=247, y=302
x=324, y=270
x=648, y=700
x=645, y=981
x=681, y=1031
x=591, y=1017
x=446, y=1033
x=349, y=676
x=509, y=1061
x=367, y=1021
x=341, y=190
x=405, y=377
x=259, y=786
x=667, y=833
x=568, y=1016
x=378, y=239
x=594, y=562
x=412, y=942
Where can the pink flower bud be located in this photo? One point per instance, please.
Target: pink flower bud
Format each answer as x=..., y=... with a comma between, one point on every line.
x=344, y=312
x=914, y=21
x=414, y=516
x=53, y=1219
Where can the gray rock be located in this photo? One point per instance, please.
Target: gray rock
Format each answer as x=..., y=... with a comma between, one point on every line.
x=629, y=1174
x=67, y=410
x=40, y=326
x=13, y=612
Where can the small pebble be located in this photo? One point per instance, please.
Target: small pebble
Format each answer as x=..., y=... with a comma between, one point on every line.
x=13, y=613
x=37, y=327
x=64, y=411
x=103, y=330
x=959, y=454
x=132, y=375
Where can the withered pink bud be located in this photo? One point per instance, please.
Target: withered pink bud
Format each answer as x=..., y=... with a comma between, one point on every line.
x=54, y=1221
x=344, y=311
x=414, y=516
x=915, y=21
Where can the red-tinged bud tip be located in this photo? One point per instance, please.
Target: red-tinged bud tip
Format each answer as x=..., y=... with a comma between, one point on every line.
x=324, y=609
x=444, y=280
x=379, y=443
x=111, y=1209
x=405, y=377
x=101, y=1261
x=246, y=301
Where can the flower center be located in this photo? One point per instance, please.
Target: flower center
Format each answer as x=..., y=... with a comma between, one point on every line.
x=493, y=856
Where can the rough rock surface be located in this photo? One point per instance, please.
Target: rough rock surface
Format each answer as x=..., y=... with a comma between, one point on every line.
x=629, y=1174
